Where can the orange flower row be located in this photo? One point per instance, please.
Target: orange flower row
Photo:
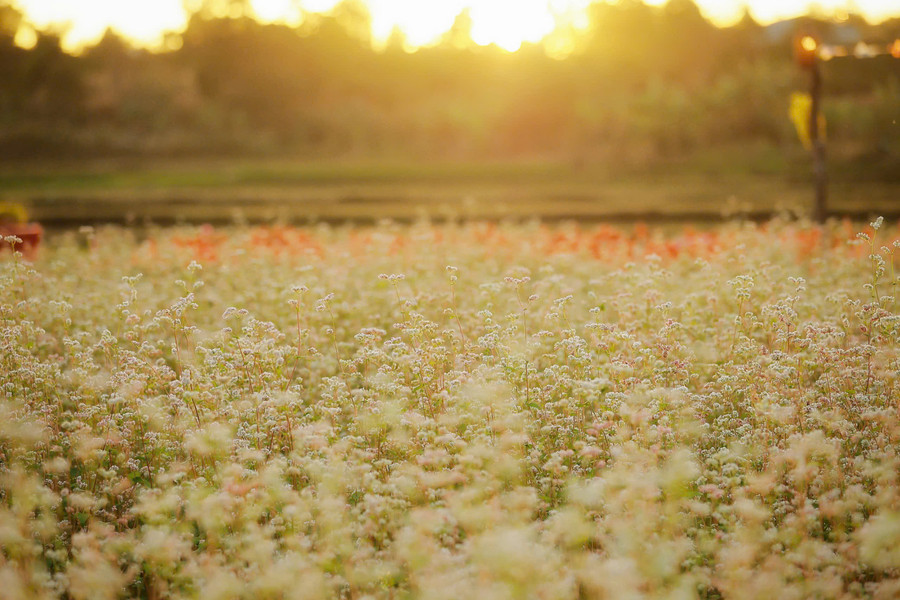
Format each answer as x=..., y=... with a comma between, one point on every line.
x=603, y=242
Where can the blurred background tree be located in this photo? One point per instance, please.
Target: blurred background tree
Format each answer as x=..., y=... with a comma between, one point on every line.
x=644, y=84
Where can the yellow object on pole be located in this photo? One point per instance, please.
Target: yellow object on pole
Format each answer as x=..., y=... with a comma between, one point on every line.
x=801, y=106
x=12, y=212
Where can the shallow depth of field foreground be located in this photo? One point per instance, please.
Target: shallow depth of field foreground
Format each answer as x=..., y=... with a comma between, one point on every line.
x=456, y=411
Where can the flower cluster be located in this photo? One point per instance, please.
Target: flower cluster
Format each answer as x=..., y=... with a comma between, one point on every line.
x=443, y=411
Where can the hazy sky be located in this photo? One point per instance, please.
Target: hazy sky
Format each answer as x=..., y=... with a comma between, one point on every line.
x=507, y=23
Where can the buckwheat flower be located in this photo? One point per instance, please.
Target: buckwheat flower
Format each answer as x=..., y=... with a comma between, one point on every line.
x=213, y=440
x=877, y=538
x=93, y=575
x=57, y=465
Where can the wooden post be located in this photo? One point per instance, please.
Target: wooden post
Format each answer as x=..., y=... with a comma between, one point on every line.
x=806, y=53
x=820, y=172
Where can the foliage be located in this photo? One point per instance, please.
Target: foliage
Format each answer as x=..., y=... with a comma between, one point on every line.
x=632, y=87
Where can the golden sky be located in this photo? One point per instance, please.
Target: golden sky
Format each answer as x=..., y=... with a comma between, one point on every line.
x=507, y=23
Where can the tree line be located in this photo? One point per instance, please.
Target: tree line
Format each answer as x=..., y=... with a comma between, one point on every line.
x=641, y=82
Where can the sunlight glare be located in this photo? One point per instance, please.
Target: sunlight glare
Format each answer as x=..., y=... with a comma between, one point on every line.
x=272, y=11
x=421, y=23
x=510, y=23
x=85, y=21
x=728, y=12
x=318, y=6
x=506, y=23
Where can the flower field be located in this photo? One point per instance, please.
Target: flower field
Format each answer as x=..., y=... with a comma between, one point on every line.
x=452, y=411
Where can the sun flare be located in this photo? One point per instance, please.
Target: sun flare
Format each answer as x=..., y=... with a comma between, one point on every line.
x=505, y=23
x=145, y=22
